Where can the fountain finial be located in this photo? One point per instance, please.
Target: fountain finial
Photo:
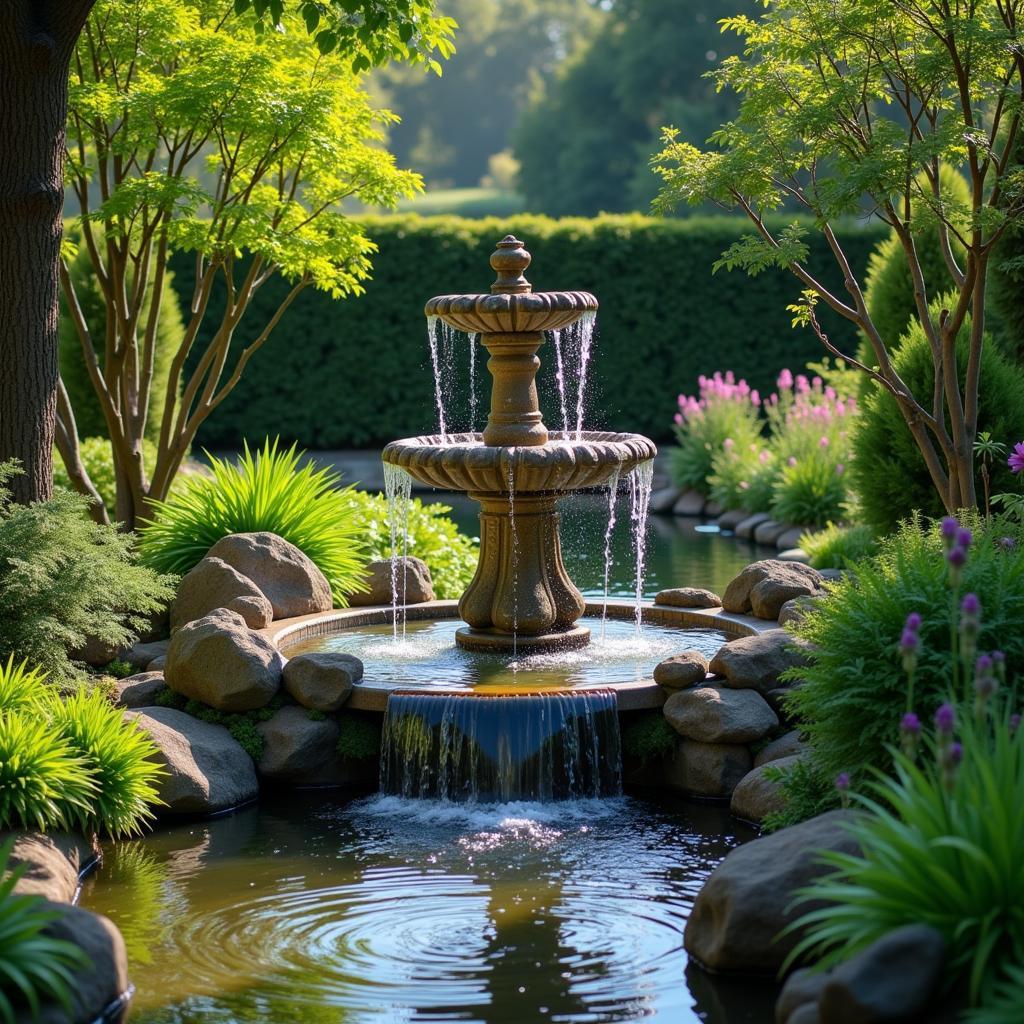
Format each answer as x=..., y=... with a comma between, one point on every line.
x=509, y=260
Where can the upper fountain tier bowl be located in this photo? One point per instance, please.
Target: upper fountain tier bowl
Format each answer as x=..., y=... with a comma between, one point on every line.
x=568, y=462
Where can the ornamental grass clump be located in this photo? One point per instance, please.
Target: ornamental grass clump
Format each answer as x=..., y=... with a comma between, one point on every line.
x=941, y=834
x=271, y=490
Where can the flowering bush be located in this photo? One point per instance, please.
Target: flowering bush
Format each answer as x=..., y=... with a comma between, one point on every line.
x=1013, y=503
x=723, y=410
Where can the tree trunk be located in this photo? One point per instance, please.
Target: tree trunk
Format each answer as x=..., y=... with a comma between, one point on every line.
x=37, y=39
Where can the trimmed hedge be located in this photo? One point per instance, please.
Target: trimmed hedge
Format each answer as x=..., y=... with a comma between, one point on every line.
x=357, y=373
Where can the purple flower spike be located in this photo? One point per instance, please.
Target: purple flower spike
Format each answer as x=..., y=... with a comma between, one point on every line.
x=913, y=622
x=910, y=724
x=954, y=754
x=1016, y=459
x=998, y=658
x=964, y=537
x=909, y=641
x=843, y=782
x=957, y=557
x=949, y=528
x=1007, y=543
x=983, y=665
x=970, y=605
x=945, y=719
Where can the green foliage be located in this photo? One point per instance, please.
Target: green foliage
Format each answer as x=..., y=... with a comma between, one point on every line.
x=808, y=791
x=360, y=736
x=21, y=688
x=649, y=737
x=888, y=287
x=315, y=716
x=889, y=472
x=119, y=669
x=170, y=333
x=168, y=698
x=810, y=491
x=585, y=143
x=241, y=725
x=63, y=578
x=1006, y=1003
x=939, y=848
x=274, y=491
x=44, y=781
x=839, y=547
x=98, y=460
x=34, y=967
x=744, y=477
x=118, y=757
x=652, y=334
x=1006, y=280
x=465, y=202
x=433, y=537
x=247, y=735
x=852, y=691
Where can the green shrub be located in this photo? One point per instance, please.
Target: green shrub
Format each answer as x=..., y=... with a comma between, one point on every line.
x=888, y=287
x=355, y=373
x=170, y=333
x=44, y=782
x=433, y=537
x=839, y=547
x=63, y=578
x=118, y=758
x=241, y=725
x=649, y=737
x=940, y=845
x=98, y=461
x=360, y=737
x=810, y=491
x=34, y=967
x=21, y=688
x=743, y=477
x=1006, y=1003
x=272, y=490
x=852, y=690
x=889, y=472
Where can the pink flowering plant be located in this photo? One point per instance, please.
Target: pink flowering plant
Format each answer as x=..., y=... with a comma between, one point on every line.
x=1013, y=504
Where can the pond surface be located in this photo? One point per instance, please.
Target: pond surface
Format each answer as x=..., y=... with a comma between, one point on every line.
x=428, y=655
x=681, y=551
x=329, y=910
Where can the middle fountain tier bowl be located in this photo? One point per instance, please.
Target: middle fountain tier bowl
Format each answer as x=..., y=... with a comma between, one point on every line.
x=521, y=598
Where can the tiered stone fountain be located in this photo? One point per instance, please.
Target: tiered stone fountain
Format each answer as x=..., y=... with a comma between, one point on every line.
x=521, y=597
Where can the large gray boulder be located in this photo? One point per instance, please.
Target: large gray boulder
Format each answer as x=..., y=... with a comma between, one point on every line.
x=52, y=862
x=756, y=662
x=787, y=745
x=322, y=680
x=98, y=983
x=706, y=769
x=412, y=577
x=291, y=581
x=296, y=746
x=212, y=584
x=758, y=795
x=709, y=714
x=207, y=770
x=220, y=661
x=688, y=597
x=762, y=588
x=746, y=902
x=139, y=691
x=141, y=655
x=891, y=981
x=802, y=988
x=681, y=670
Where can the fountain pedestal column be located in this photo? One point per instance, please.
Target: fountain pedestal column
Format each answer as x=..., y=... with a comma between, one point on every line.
x=521, y=596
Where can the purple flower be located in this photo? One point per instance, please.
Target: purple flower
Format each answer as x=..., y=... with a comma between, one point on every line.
x=843, y=782
x=1007, y=543
x=945, y=719
x=954, y=755
x=957, y=557
x=998, y=658
x=910, y=724
x=970, y=605
x=983, y=665
x=949, y=528
x=964, y=537
x=913, y=622
x=909, y=641
x=1016, y=459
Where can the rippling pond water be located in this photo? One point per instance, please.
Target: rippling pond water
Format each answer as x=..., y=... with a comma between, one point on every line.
x=315, y=908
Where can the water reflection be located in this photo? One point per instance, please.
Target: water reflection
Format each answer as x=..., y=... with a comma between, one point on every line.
x=312, y=909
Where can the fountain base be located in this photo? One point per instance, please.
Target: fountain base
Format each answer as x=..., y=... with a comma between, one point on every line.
x=498, y=641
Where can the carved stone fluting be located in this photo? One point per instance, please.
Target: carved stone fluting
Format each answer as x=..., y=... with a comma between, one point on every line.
x=521, y=595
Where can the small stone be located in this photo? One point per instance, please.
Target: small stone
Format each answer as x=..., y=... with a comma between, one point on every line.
x=745, y=527
x=322, y=680
x=774, y=581
x=212, y=584
x=777, y=700
x=681, y=670
x=688, y=597
x=291, y=581
x=769, y=532
x=295, y=745
x=140, y=690
x=790, y=538
x=712, y=715
x=802, y=988
x=796, y=608
x=891, y=980
x=756, y=662
x=207, y=770
x=832, y=575
x=732, y=518
x=743, y=907
x=663, y=499
x=756, y=796
x=96, y=652
x=707, y=769
x=140, y=655
x=787, y=745
x=157, y=664
x=220, y=661
x=689, y=503
x=712, y=510
x=794, y=555
x=413, y=577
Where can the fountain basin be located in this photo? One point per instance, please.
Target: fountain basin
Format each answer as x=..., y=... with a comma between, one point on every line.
x=568, y=462
x=292, y=636
x=511, y=314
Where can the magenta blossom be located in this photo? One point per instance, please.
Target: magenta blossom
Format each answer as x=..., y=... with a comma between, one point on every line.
x=1016, y=459
x=913, y=622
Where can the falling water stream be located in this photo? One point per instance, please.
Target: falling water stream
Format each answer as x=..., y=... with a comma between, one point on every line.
x=398, y=493
x=613, y=498
x=641, y=482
